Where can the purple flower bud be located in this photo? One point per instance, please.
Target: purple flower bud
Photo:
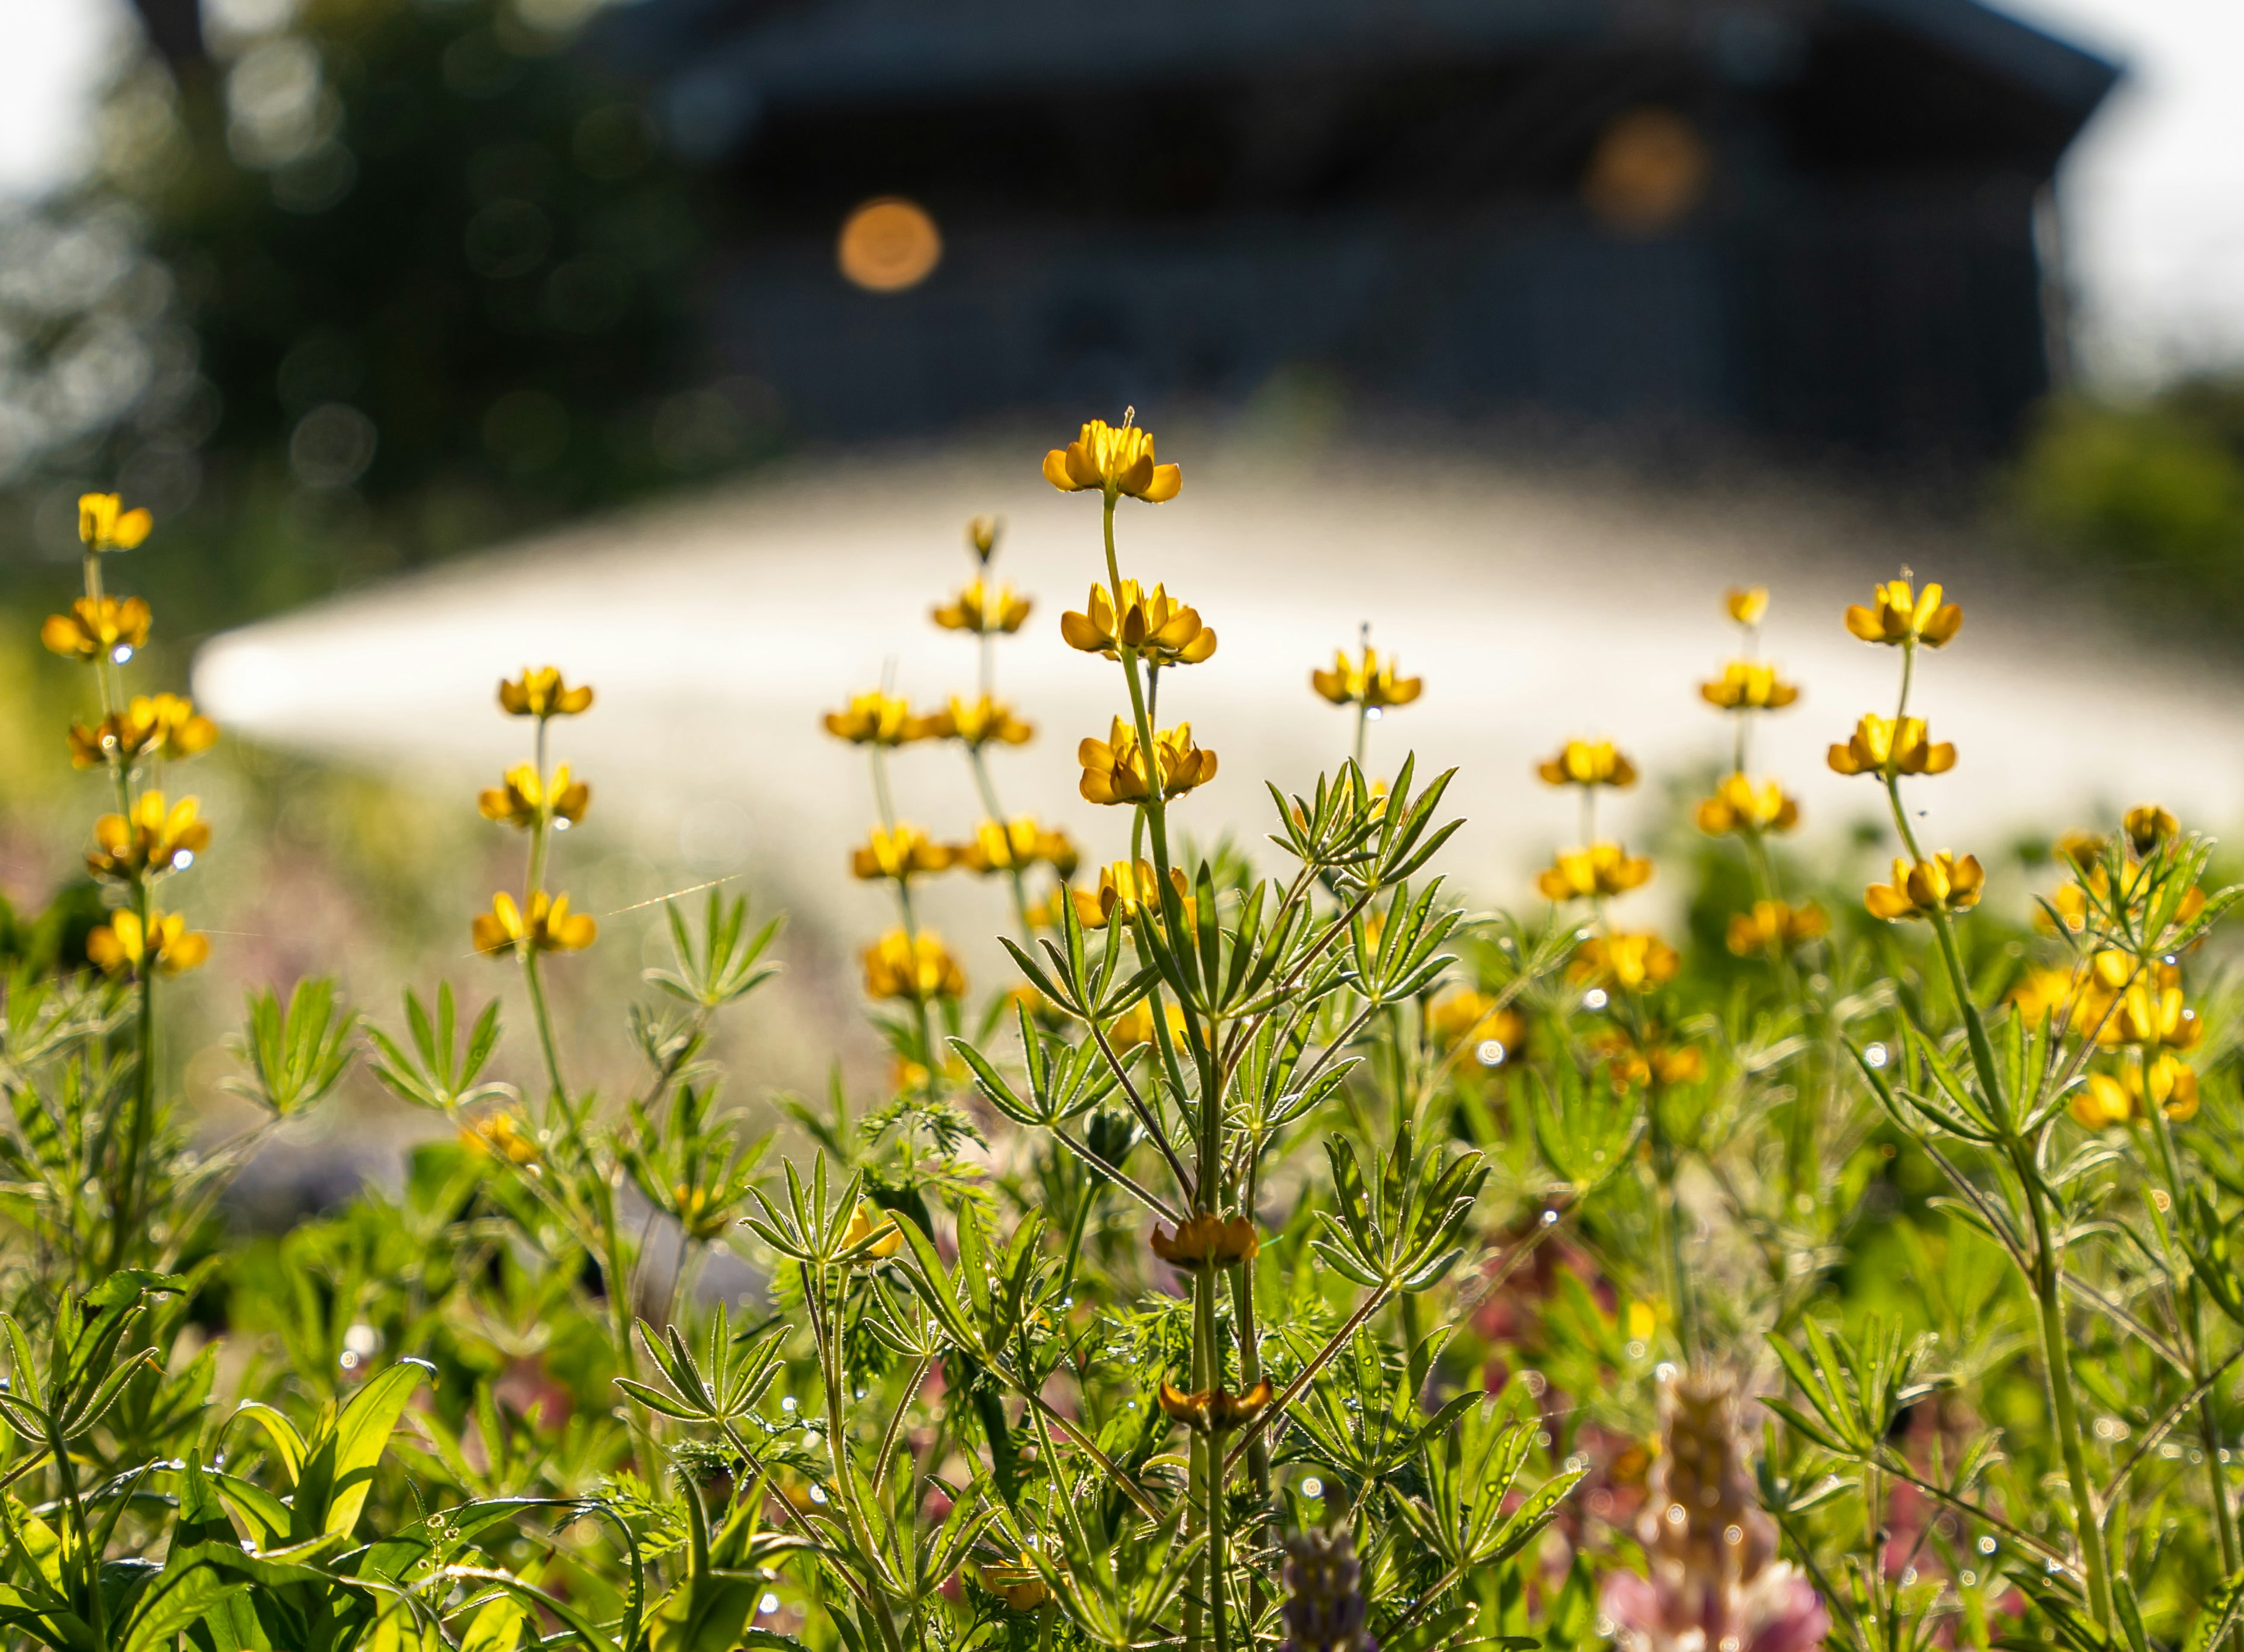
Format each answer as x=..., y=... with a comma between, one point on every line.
x=1324, y=1600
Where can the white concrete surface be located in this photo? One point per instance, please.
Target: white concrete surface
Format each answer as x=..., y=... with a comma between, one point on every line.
x=717, y=631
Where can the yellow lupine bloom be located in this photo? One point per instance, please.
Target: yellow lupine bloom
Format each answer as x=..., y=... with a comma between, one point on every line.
x=2169, y=1083
x=1015, y=845
x=1114, y=770
x=1369, y=680
x=501, y=1136
x=1630, y=1065
x=1215, y=1410
x=1134, y=1026
x=1206, y=1240
x=1898, y=614
x=1743, y=805
x=166, y=726
x=2149, y=1014
x=1773, y=927
x=549, y=927
x=2083, y=850
x=903, y=853
x=1631, y=962
x=104, y=524
x=1944, y=884
x=1128, y=888
x=914, y=968
x=96, y=627
x=1464, y=1014
x=875, y=1231
x=2148, y=826
x=1749, y=685
x=978, y=722
x=1020, y=1586
x=1163, y=631
x=2056, y=994
x=982, y=608
x=522, y=800
x=1587, y=762
x=540, y=693
x=122, y=947
x=1879, y=741
x=156, y=837
x=1114, y=459
x=1602, y=868
x=982, y=533
x=1747, y=604
x=878, y=719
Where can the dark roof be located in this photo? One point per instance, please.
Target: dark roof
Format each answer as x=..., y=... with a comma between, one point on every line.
x=725, y=63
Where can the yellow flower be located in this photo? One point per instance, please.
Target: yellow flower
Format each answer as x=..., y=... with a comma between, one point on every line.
x=2169, y=1083
x=1114, y=459
x=523, y=800
x=1014, y=846
x=2055, y=994
x=155, y=837
x=2148, y=826
x=1462, y=1014
x=978, y=722
x=1747, y=604
x=903, y=853
x=105, y=524
x=1114, y=770
x=549, y=927
x=541, y=694
x=1880, y=745
x=983, y=609
x=1630, y=962
x=1369, y=682
x=1749, y=685
x=1740, y=805
x=865, y=1224
x=1898, y=614
x=1774, y=928
x=1215, y=1410
x=1019, y=1587
x=501, y=1135
x=2149, y=1014
x=2083, y=850
x=1587, y=762
x=1602, y=868
x=1205, y=1240
x=1630, y=1065
x=122, y=947
x=1134, y=1026
x=982, y=533
x=915, y=969
x=1163, y=631
x=1944, y=884
x=98, y=628
x=150, y=726
x=1126, y=889
x=878, y=719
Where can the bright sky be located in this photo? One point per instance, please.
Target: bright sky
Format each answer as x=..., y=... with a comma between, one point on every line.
x=2155, y=191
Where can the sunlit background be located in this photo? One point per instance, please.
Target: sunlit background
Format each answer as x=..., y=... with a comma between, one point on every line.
x=674, y=341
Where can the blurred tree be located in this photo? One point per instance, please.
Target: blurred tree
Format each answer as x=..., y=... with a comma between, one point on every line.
x=357, y=282
x=2153, y=491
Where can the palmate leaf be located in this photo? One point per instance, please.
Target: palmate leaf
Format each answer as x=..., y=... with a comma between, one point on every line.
x=438, y=1072
x=295, y=1052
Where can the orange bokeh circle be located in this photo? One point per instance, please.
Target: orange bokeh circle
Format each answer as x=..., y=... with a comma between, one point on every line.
x=888, y=245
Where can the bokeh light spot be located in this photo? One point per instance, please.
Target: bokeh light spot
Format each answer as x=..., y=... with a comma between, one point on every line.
x=888, y=245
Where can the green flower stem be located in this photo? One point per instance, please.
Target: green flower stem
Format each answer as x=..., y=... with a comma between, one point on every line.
x=2192, y=1324
x=2047, y=1278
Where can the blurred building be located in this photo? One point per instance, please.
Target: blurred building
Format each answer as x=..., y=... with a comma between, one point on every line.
x=1823, y=222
